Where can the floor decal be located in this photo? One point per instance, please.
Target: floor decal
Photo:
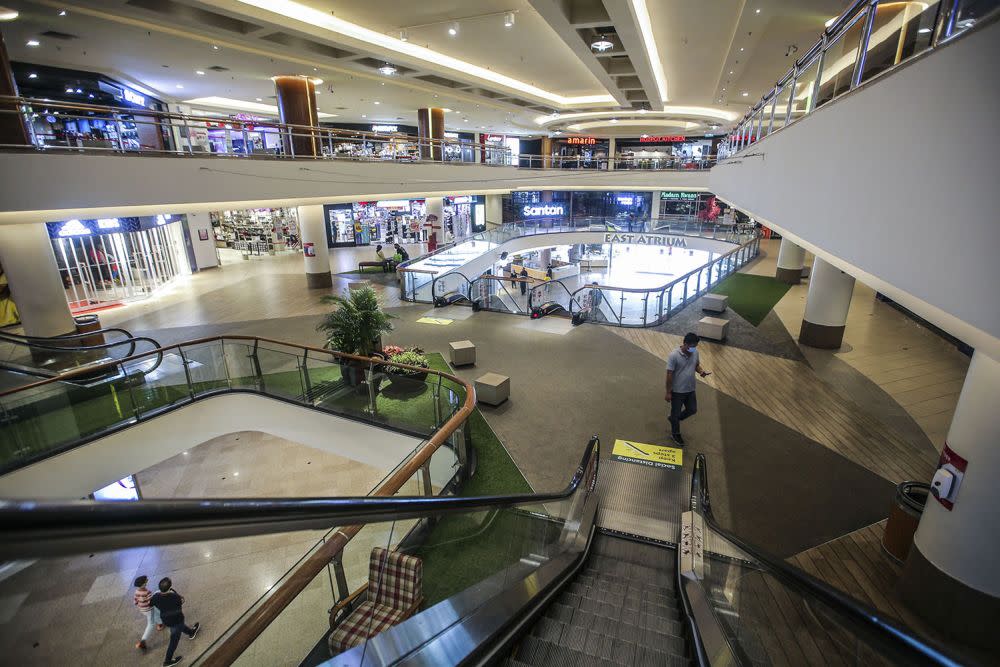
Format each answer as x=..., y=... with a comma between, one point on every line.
x=654, y=456
x=435, y=320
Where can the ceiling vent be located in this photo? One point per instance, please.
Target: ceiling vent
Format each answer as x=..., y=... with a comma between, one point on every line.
x=441, y=81
x=55, y=34
x=315, y=48
x=218, y=68
x=195, y=15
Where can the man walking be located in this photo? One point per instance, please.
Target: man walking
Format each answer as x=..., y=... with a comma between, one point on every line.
x=169, y=602
x=682, y=364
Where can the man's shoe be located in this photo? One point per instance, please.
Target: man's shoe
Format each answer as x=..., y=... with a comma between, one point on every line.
x=678, y=439
x=196, y=627
x=141, y=645
x=175, y=660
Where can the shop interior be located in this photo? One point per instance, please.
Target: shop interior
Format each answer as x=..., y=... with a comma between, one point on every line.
x=645, y=154
x=260, y=231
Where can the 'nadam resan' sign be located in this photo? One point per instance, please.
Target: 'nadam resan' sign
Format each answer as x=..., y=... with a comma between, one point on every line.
x=647, y=239
x=529, y=211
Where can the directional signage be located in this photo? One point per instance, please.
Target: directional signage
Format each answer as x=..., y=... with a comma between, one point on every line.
x=654, y=456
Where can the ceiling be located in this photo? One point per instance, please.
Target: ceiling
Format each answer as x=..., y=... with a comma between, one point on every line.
x=675, y=67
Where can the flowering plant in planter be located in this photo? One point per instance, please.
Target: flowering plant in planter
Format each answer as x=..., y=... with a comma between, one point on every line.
x=411, y=356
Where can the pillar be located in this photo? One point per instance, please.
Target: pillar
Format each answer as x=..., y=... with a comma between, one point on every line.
x=546, y=152
x=544, y=258
x=612, y=150
x=430, y=129
x=435, y=206
x=315, y=250
x=297, y=106
x=791, y=258
x=827, y=303
x=33, y=276
x=951, y=577
x=494, y=211
x=654, y=205
x=13, y=129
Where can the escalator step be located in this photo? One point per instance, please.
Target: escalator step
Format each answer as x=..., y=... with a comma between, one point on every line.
x=559, y=612
x=548, y=629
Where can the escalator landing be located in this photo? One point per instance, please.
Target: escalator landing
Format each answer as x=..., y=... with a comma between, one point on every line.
x=642, y=500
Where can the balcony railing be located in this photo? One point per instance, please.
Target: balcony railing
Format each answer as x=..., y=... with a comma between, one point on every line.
x=130, y=131
x=870, y=38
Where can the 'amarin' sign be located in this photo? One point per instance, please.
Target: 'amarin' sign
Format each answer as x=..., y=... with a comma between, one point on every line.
x=647, y=239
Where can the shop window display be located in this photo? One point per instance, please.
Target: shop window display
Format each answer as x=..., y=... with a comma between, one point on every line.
x=257, y=231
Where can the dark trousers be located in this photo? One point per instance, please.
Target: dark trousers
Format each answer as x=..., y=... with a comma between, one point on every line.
x=683, y=404
x=175, y=637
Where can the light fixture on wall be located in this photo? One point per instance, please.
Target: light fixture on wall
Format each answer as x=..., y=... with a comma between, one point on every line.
x=32, y=43
x=508, y=19
x=602, y=44
x=387, y=69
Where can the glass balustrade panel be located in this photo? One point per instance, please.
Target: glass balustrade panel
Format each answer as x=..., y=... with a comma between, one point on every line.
x=839, y=61
x=900, y=31
x=803, y=100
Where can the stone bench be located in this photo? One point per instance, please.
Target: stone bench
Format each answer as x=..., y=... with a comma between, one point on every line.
x=715, y=303
x=713, y=328
x=462, y=353
x=492, y=388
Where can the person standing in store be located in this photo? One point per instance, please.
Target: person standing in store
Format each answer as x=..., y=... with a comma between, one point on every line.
x=524, y=280
x=682, y=364
x=170, y=603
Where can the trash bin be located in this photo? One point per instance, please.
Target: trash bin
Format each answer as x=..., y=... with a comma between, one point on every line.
x=86, y=324
x=904, y=516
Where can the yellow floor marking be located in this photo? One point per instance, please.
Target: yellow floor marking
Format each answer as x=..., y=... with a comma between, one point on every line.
x=655, y=456
x=435, y=320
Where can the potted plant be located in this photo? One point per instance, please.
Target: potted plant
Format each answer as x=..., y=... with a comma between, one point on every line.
x=355, y=326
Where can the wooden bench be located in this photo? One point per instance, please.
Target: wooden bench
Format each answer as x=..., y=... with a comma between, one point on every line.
x=384, y=266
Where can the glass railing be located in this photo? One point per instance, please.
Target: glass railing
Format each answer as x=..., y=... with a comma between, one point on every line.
x=51, y=416
x=871, y=37
x=32, y=357
x=769, y=612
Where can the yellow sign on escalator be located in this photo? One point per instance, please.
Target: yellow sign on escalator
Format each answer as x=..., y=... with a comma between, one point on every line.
x=641, y=453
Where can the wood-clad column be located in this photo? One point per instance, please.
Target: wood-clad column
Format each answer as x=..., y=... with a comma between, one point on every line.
x=297, y=106
x=12, y=127
x=430, y=129
x=546, y=152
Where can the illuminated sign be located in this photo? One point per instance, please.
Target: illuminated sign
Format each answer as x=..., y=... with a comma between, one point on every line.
x=465, y=199
x=385, y=128
x=625, y=200
x=109, y=223
x=494, y=138
x=134, y=98
x=542, y=211
x=581, y=141
x=451, y=135
x=163, y=219
x=678, y=196
x=662, y=139
x=393, y=203
x=647, y=239
x=73, y=228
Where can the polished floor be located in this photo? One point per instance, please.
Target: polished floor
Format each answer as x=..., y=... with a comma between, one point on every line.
x=828, y=420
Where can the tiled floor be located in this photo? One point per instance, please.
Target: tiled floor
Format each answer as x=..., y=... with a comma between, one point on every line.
x=78, y=610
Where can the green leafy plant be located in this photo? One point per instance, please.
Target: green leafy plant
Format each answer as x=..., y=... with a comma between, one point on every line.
x=410, y=358
x=357, y=323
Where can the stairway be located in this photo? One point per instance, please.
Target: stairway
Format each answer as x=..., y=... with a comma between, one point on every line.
x=621, y=609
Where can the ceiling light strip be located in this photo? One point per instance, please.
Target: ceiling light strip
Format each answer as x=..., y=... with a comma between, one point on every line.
x=703, y=112
x=646, y=29
x=314, y=17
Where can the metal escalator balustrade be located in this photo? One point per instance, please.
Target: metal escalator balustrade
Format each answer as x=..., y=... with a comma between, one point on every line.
x=59, y=413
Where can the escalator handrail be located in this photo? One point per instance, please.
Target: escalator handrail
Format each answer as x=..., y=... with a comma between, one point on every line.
x=87, y=369
x=131, y=342
x=44, y=527
x=926, y=651
x=69, y=336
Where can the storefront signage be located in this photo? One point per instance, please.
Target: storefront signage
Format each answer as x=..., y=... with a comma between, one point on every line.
x=661, y=139
x=451, y=135
x=393, y=203
x=647, y=239
x=494, y=138
x=75, y=228
x=109, y=223
x=581, y=141
x=529, y=211
x=625, y=200
x=678, y=196
x=133, y=97
x=385, y=128
x=464, y=199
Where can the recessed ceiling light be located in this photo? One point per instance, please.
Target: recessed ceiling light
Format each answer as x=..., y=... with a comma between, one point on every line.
x=62, y=12
x=69, y=90
x=453, y=29
x=387, y=69
x=91, y=96
x=482, y=127
x=924, y=30
x=377, y=102
x=642, y=111
x=723, y=90
x=730, y=71
x=602, y=44
x=199, y=72
x=364, y=115
x=32, y=76
x=32, y=42
x=613, y=120
x=643, y=136
x=741, y=48
x=215, y=47
x=757, y=11
x=180, y=85
x=7, y=14
x=508, y=19
x=259, y=99
x=744, y=93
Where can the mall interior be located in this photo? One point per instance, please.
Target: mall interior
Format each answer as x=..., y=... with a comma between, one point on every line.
x=499, y=332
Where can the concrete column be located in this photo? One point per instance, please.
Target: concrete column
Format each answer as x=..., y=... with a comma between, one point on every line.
x=544, y=258
x=827, y=303
x=435, y=207
x=494, y=211
x=791, y=258
x=430, y=129
x=315, y=250
x=34, y=280
x=13, y=129
x=654, y=205
x=951, y=576
x=297, y=106
x=612, y=149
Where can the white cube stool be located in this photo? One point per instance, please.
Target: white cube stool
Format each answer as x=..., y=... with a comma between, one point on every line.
x=715, y=303
x=713, y=328
x=358, y=284
x=462, y=353
x=492, y=388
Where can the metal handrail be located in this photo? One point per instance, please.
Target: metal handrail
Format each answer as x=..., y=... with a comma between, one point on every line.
x=872, y=622
x=749, y=129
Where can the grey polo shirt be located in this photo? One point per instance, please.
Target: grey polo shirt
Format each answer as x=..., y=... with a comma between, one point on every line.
x=684, y=369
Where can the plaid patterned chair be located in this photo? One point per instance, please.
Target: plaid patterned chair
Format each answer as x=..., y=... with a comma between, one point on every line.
x=393, y=593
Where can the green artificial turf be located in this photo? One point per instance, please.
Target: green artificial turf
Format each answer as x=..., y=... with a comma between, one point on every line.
x=752, y=297
x=367, y=269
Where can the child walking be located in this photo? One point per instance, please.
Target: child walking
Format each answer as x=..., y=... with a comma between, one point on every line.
x=142, y=600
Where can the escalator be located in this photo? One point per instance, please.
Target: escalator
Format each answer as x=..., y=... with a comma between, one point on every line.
x=526, y=579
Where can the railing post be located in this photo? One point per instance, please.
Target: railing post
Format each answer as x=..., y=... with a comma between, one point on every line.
x=187, y=134
x=341, y=577
x=436, y=392
x=425, y=469
x=187, y=371
x=370, y=378
x=866, y=33
x=946, y=21
x=306, y=380
x=246, y=140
